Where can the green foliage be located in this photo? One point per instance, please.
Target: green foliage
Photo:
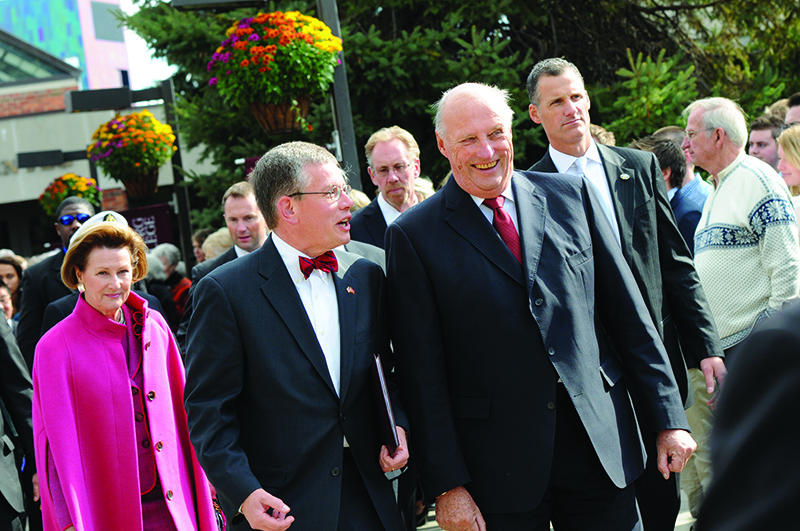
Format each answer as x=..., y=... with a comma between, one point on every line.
x=643, y=61
x=652, y=95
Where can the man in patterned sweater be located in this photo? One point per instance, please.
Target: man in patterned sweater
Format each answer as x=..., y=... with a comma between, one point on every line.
x=746, y=244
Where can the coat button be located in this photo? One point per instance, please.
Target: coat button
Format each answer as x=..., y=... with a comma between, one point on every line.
x=538, y=302
x=551, y=351
x=550, y=405
x=152, y=394
x=335, y=471
x=135, y=391
x=145, y=443
x=147, y=346
x=159, y=445
x=139, y=417
x=170, y=495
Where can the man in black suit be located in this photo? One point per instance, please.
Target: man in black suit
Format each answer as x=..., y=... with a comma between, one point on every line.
x=393, y=158
x=633, y=196
x=516, y=345
x=15, y=428
x=41, y=283
x=281, y=344
x=248, y=231
x=756, y=481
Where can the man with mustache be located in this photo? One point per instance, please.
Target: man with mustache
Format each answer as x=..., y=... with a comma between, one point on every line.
x=393, y=158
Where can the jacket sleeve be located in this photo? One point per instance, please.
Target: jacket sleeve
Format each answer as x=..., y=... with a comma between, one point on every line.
x=15, y=388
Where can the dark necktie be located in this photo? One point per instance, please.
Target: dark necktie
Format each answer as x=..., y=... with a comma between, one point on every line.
x=505, y=226
x=325, y=262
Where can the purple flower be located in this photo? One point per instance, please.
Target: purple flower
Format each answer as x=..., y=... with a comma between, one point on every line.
x=234, y=38
x=253, y=37
x=228, y=73
x=226, y=58
x=210, y=64
x=213, y=81
x=216, y=56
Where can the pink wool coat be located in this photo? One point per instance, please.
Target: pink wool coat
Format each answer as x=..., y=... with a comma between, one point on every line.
x=83, y=420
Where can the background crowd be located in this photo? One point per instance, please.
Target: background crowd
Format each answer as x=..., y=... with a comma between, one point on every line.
x=591, y=325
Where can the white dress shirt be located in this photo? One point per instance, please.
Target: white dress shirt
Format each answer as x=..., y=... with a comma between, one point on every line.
x=509, y=206
x=594, y=173
x=390, y=213
x=319, y=299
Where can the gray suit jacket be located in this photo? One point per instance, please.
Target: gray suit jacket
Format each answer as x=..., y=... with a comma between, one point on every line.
x=659, y=259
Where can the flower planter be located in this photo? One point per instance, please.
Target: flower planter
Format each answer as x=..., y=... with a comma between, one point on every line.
x=283, y=117
x=140, y=185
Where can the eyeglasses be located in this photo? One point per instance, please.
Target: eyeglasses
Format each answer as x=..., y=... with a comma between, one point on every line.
x=789, y=125
x=67, y=219
x=692, y=134
x=398, y=168
x=333, y=194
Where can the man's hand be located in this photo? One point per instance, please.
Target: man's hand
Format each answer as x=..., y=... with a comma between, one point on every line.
x=390, y=463
x=675, y=447
x=456, y=511
x=713, y=367
x=255, y=509
x=35, y=480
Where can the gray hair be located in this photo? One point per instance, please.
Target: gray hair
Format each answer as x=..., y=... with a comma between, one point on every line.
x=155, y=271
x=723, y=113
x=168, y=251
x=553, y=67
x=499, y=98
x=281, y=171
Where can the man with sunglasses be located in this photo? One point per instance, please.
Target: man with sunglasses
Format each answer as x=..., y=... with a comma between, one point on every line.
x=280, y=347
x=41, y=283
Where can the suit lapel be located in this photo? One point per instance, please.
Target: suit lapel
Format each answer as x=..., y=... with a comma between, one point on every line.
x=346, y=300
x=281, y=293
x=622, y=193
x=376, y=225
x=467, y=219
x=531, y=211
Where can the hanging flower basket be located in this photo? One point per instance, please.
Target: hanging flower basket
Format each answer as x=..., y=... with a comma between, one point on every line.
x=276, y=64
x=66, y=186
x=131, y=149
x=282, y=117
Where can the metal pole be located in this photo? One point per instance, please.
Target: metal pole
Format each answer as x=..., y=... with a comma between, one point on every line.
x=340, y=99
x=179, y=189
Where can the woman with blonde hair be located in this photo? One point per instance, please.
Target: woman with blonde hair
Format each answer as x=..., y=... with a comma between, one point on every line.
x=112, y=443
x=789, y=163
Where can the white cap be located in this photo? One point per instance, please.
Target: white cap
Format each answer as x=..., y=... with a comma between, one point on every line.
x=107, y=216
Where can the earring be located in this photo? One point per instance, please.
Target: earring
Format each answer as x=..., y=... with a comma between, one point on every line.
x=81, y=288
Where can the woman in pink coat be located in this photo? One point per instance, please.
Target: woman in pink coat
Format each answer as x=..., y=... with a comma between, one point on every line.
x=110, y=429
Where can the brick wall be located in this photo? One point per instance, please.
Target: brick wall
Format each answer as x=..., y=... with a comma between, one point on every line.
x=21, y=103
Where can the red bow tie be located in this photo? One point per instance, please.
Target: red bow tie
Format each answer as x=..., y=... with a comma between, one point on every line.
x=325, y=262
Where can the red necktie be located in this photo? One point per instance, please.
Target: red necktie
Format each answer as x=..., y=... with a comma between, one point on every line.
x=325, y=262
x=504, y=226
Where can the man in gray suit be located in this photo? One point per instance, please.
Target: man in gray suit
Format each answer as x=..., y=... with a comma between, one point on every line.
x=633, y=196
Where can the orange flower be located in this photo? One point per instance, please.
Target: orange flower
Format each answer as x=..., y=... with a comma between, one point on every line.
x=244, y=63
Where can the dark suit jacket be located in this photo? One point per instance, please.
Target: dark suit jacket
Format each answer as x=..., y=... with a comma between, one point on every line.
x=58, y=309
x=262, y=408
x=198, y=272
x=368, y=225
x=687, y=215
x=756, y=481
x=41, y=285
x=480, y=341
x=16, y=395
x=659, y=259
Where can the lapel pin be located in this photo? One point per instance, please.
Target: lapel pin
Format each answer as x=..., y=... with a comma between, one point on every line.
x=350, y=290
x=624, y=176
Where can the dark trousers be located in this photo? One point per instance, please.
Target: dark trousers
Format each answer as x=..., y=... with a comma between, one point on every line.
x=580, y=496
x=659, y=499
x=356, y=510
x=10, y=520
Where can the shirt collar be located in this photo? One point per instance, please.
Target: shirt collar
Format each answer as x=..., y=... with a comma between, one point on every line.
x=390, y=213
x=508, y=193
x=563, y=162
x=240, y=252
x=290, y=257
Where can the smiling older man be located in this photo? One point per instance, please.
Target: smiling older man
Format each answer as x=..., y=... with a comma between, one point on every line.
x=516, y=292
